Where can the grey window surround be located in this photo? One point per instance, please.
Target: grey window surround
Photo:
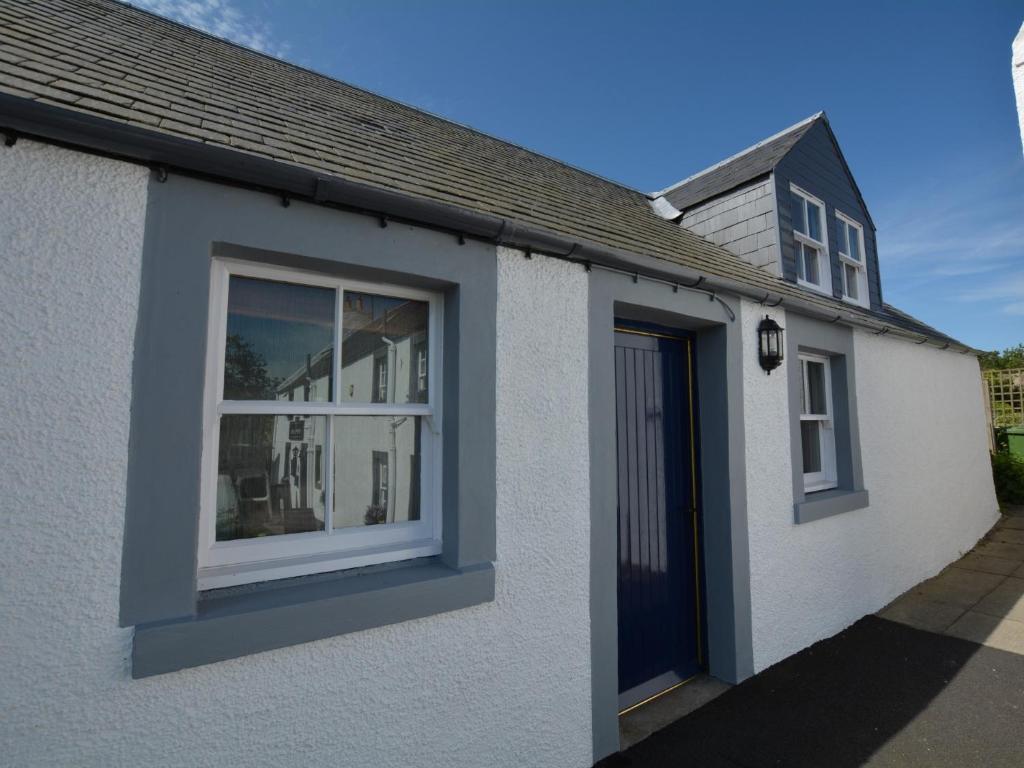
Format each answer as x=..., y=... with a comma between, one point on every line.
x=822, y=504
x=189, y=221
x=725, y=551
x=835, y=342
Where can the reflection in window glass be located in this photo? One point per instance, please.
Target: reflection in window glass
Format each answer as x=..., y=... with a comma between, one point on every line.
x=813, y=221
x=852, y=278
x=816, y=387
x=268, y=476
x=809, y=263
x=376, y=470
x=841, y=236
x=380, y=338
x=810, y=438
x=279, y=341
x=799, y=217
x=854, y=244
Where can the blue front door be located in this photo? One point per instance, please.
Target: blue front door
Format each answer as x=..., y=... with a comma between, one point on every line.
x=660, y=643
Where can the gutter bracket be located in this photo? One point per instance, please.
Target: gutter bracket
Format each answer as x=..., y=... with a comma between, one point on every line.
x=320, y=190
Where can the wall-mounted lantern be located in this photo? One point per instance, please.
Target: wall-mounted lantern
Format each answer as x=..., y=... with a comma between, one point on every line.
x=769, y=347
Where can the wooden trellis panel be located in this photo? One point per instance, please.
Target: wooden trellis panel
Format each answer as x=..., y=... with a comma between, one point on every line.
x=1006, y=396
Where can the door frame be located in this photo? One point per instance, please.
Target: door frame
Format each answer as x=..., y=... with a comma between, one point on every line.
x=719, y=370
x=689, y=402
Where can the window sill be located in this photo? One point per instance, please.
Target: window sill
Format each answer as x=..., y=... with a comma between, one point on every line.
x=822, y=504
x=237, y=622
x=813, y=287
x=856, y=302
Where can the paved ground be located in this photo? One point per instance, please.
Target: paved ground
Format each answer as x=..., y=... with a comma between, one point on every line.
x=936, y=679
x=878, y=694
x=979, y=597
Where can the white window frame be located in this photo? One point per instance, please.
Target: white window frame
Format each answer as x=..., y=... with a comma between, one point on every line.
x=242, y=561
x=382, y=379
x=826, y=478
x=824, y=260
x=421, y=370
x=861, y=266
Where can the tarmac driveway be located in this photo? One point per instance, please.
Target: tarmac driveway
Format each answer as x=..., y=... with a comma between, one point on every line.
x=880, y=693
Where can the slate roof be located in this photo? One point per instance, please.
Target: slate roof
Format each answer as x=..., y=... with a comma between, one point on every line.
x=742, y=167
x=126, y=65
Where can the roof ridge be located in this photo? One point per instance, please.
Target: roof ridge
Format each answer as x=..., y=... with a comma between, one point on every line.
x=278, y=60
x=741, y=153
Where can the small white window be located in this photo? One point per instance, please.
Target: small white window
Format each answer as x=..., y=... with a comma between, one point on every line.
x=817, y=431
x=850, y=236
x=810, y=241
x=316, y=457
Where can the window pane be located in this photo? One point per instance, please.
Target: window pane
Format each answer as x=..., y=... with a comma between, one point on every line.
x=269, y=476
x=811, y=272
x=383, y=349
x=799, y=220
x=280, y=339
x=376, y=470
x=813, y=221
x=816, y=388
x=854, y=251
x=810, y=439
x=841, y=234
x=803, y=386
x=851, y=281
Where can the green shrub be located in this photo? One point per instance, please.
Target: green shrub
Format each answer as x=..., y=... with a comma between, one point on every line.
x=1002, y=441
x=1008, y=472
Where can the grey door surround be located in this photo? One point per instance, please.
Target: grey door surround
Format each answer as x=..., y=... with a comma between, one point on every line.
x=718, y=346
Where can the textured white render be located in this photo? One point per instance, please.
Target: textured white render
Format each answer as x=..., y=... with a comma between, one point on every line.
x=501, y=684
x=926, y=468
x=1017, y=66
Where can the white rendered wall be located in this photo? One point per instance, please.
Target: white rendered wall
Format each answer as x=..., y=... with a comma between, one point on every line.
x=502, y=684
x=926, y=469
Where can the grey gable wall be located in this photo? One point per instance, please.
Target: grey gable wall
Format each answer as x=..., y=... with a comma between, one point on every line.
x=743, y=221
x=813, y=165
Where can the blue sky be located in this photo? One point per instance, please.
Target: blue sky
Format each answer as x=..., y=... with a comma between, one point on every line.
x=646, y=93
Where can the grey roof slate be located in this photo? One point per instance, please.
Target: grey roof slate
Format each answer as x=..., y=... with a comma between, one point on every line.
x=113, y=61
x=742, y=167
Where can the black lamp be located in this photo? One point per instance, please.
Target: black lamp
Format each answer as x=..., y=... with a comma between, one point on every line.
x=769, y=347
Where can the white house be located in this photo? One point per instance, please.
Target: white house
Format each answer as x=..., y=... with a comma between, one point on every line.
x=341, y=434
x=1017, y=69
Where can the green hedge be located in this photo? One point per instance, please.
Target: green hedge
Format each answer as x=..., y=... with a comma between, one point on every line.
x=1008, y=472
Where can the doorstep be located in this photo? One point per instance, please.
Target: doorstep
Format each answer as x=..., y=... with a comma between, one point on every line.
x=639, y=723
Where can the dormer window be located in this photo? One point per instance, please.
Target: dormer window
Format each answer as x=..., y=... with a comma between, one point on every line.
x=809, y=240
x=850, y=236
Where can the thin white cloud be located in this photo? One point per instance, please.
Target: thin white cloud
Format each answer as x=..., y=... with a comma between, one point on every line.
x=1009, y=287
x=222, y=18
x=960, y=242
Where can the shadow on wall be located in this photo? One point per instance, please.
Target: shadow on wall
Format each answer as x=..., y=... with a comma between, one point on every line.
x=877, y=689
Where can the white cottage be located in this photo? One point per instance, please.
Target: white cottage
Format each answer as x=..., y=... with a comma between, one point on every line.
x=338, y=433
